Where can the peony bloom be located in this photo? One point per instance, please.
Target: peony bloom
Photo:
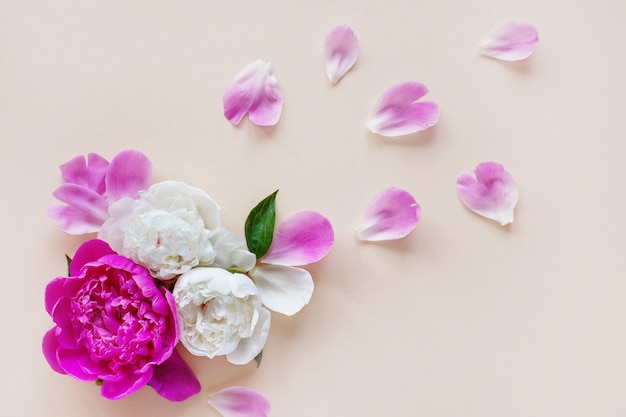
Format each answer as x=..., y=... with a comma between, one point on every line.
x=114, y=325
x=172, y=228
x=221, y=314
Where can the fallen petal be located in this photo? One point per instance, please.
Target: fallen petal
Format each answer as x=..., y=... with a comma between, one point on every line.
x=392, y=214
x=303, y=238
x=492, y=194
x=129, y=172
x=240, y=402
x=254, y=91
x=283, y=289
x=173, y=379
x=89, y=173
x=397, y=112
x=510, y=41
x=85, y=212
x=341, y=50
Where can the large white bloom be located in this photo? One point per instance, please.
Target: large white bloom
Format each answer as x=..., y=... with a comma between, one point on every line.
x=168, y=228
x=221, y=314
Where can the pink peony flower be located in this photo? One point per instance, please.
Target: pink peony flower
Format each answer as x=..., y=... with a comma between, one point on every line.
x=114, y=325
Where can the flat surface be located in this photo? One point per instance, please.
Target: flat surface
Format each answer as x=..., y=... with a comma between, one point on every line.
x=463, y=317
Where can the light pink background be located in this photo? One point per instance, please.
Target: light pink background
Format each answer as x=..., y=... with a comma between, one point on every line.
x=463, y=317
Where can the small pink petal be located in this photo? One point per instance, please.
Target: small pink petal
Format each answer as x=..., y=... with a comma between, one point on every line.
x=392, y=214
x=341, y=50
x=254, y=91
x=283, y=289
x=89, y=173
x=303, y=238
x=492, y=194
x=397, y=112
x=129, y=172
x=510, y=41
x=240, y=402
x=85, y=212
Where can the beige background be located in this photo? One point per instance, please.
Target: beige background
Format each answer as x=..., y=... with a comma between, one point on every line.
x=463, y=317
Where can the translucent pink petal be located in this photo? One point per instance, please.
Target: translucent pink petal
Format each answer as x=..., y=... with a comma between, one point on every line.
x=283, y=289
x=392, y=214
x=399, y=113
x=88, y=173
x=174, y=380
x=254, y=91
x=492, y=194
x=129, y=172
x=85, y=212
x=303, y=238
x=240, y=402
x=510, y=41
x=341, y=50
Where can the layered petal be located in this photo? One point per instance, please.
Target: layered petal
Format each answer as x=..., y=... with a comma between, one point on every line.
x=283, y=289
x=398, y=111
x=303, y=238
x=89, y=173
x=173, y=379
x=492, y=193
x=392, y=214
x=254, y=91
x=240, y=402
x=249, y=348
x=129, y=172
x=510, y=41
x=341, y=50
x=85, y=211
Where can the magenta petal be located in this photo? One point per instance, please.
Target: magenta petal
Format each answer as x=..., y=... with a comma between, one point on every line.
x=127, y=385
x=90, y=251
x=392, y=214
x=399, y=113
x=492, y=194
x=88, y=173
x=240, y=402
x=254, y=91
x=173, y=379
x=50, y=346
x=303, y=238
x=510, y=41
x=341, y=50
x=129, y=172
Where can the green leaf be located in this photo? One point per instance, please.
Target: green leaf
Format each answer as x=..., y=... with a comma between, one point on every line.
x=258, y=359
x=259, y=226
x=69, y=262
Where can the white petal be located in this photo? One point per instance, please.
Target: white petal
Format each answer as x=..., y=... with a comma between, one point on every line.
x=284, y=289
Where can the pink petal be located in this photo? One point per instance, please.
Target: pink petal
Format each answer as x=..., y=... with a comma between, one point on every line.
x=492, y=194
x=303, y=238
x=510, y=41
x=254, y=91
x=283, y=289
x=129, y=172
x=88, y=173
x=392, y=214
x=85, y=212
x=398, y=112
x=240, y=402
x=90, y=251
x=341, y=50
x=173, y=379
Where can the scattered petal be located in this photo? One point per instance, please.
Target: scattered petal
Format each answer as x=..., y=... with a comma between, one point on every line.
x=254, y=91
x=129, y=172
x=510, y=41
x=173, y=379
x=397, y=112
x=392, y=214
x=240, y=402
x=89, y=173
x=492, y=194
x=341, y=50
x=85, y=211
x=283, y=289
x=303, y=238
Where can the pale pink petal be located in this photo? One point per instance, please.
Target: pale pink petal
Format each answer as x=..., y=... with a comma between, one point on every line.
x=510, y=41
x=240, y=402
x=392, y=214
x=341, y=50
x=492, y=194
x=303, y=238
x=129, y=172
x=283, y=289
x=254, y=91
x=89, y=173
x=398, y=112
x=85, y=212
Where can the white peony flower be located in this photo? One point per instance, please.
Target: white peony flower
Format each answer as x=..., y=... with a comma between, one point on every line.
x=168, y=229
x=221, y=314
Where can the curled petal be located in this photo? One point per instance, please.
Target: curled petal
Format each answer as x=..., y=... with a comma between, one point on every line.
x=341, y=50
x=398, y=111
x=303, y=238
x=250, y=347
x=240, y=402
x=492, y=194
x=85, y=212
x=510, y=41
x=129, y=172
x=90, y=251
x=392, y=214
x=173, y=379
x=283, y=289
x=254, y=91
